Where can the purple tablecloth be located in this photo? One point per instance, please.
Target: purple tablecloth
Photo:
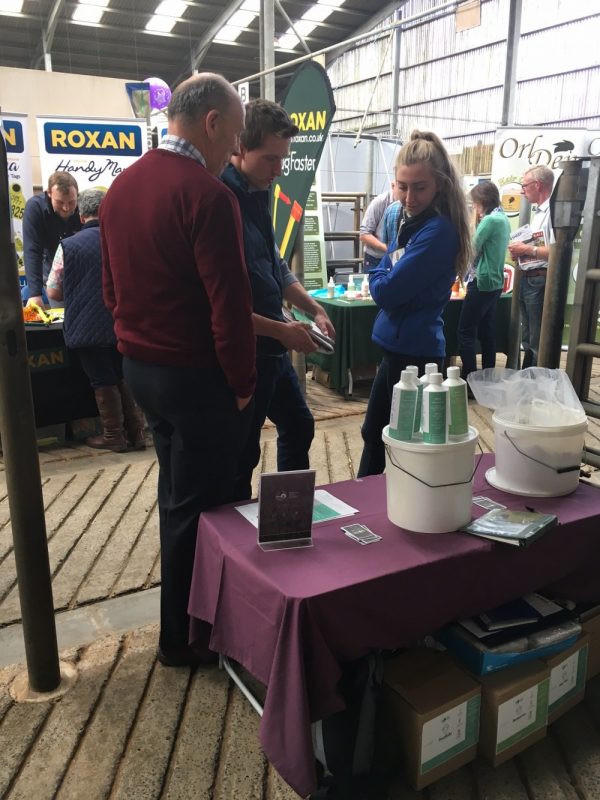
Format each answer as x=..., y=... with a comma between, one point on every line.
x=291, y=617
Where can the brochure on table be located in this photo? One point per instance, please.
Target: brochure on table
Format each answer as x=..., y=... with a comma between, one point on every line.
x=325, y=507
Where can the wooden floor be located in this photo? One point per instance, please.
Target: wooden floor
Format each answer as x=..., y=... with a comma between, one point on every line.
x=133, y=730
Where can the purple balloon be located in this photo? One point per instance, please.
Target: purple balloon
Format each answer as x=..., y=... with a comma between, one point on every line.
x=160, y=94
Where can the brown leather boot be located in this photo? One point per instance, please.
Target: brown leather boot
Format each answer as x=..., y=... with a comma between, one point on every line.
x=134, y=419
x=108, y=400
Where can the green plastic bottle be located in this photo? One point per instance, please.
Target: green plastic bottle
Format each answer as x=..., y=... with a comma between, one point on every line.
x=435, y=410
x=458, y=427
x=404, y=406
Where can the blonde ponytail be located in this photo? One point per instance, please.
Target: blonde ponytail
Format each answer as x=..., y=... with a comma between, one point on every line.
x=425, y=146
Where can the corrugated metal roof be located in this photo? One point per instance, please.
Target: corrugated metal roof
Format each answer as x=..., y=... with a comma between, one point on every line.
x=452, y=82
x=120, y=47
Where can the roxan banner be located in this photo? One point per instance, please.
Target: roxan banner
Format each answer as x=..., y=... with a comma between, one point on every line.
x=94, y=151
x=309, y=102
x=14, y=130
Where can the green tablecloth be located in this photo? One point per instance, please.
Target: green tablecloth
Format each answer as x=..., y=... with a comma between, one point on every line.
x=353, y=321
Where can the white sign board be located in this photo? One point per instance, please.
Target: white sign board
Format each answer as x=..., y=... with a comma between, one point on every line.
x=94, y=151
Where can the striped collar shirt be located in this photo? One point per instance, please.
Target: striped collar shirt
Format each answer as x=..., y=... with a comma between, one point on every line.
x=178, y=145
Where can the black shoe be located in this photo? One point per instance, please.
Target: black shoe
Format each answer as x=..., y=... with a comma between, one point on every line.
x=186, y=657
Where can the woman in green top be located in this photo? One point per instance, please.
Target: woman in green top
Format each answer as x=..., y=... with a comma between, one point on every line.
x=485, y=280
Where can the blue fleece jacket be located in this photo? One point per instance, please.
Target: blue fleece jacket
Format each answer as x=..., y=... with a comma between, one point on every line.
x=412, y=292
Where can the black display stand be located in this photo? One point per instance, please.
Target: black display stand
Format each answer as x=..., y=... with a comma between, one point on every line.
x=61, y=389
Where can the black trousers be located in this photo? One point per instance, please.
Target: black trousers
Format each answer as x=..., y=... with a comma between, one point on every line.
x=198, y=434
x=372, y=460
x=278, y=396
x=102, y=365
x=477, y=321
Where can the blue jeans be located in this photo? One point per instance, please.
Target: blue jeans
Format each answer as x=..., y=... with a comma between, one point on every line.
x=371, y=262
x=531, y=302
x=278, y=397
x=372, y=461
x=477, y=321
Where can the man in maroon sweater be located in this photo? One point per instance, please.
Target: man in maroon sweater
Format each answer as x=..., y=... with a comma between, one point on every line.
x=176, y=282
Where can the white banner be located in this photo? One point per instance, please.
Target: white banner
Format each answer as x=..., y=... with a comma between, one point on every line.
x=94, y=151
x=518, y=149
x=315, y=261
x=14, y=130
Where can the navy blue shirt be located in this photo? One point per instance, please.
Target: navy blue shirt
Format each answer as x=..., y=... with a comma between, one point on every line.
x=43, y=230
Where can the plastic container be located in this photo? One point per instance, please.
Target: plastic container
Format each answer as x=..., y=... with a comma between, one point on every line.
x=429, y=487
x=435, y=410
x=458, y=426
x=430, y=368
x=331, y=288
x=404, y=407
x=537, y=461
x=351, y=285
x=419, y=412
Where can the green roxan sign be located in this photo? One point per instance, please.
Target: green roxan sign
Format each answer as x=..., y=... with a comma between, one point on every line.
x=309, y=102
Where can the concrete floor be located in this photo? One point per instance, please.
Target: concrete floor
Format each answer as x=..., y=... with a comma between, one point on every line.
x=133, y=729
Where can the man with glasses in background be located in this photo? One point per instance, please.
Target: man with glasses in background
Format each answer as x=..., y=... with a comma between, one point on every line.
x=536, y=187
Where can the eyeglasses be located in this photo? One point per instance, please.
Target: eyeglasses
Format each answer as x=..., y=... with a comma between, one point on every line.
x=525, y=185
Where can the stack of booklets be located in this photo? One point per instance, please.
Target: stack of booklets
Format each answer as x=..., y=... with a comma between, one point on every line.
x=524, y=624
x=526, y=235
x=509, y=526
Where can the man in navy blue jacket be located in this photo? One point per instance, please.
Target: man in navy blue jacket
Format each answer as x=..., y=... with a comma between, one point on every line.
x=48, y=219
x=264, y=144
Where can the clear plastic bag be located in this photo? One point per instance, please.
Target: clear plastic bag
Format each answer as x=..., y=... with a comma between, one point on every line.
x=534, y=396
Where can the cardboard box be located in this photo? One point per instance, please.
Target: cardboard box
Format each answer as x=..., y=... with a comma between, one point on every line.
x=432, y=709
x=514, y=710
x=567, y=678
x=591, y=626
x=481, y=660
x=320, y=375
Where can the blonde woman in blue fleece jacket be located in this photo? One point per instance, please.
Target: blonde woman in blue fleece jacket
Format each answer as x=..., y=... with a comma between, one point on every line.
x=413, y=282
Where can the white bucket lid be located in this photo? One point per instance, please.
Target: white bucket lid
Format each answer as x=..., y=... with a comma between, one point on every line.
x=416, y=446
x=579, y=424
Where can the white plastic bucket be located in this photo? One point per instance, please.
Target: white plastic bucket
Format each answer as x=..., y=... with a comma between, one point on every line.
x=429, y=486
x=537, y=461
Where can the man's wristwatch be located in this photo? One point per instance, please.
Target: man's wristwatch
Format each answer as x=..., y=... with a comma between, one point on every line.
x=534, y=252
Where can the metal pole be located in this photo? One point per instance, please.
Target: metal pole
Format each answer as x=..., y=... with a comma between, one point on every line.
x=22, y=467
x=370, y=35
x=267, y=41
x=510, y=72
x=565, y=221
x=261, y=48
x=395, y=76
x=586, y=303
x=513, y=359
x=297, y=267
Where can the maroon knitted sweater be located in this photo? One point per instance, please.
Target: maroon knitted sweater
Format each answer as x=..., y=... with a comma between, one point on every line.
x=174, y=274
